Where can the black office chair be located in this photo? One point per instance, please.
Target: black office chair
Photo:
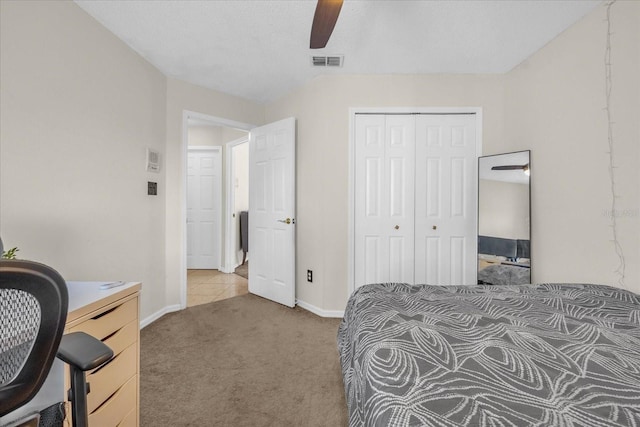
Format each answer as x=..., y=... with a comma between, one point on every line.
x=33, y=311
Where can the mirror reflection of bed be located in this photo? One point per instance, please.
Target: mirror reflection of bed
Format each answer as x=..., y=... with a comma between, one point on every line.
x=504, y=225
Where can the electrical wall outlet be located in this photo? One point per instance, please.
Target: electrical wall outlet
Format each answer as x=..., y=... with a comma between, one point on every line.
x=309, y=276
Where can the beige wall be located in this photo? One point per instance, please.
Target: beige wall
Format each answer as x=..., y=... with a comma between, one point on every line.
x=228, y=134
x=77, y=111
x=554, y=105
x=204, y=136
x=322, y=111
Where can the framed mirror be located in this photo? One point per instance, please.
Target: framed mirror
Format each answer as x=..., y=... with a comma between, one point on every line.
x=504, y=219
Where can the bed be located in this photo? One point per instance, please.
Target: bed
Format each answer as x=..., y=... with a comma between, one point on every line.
x=503, y=261
x=525, y=355
x=503, y=273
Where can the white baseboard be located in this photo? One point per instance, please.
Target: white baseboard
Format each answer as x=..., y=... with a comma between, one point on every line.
x=226, y=269
x=158, y=314
x=176, y=307
x=230, y=268
x=319, y=311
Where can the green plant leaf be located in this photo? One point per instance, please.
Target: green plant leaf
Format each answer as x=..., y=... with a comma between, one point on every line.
x=10, y=254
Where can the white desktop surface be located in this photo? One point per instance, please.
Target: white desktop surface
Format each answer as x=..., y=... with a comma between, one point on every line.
x=86, y=297
x=83, y=294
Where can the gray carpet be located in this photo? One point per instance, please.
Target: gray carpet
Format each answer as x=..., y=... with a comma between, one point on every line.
x=244, y=361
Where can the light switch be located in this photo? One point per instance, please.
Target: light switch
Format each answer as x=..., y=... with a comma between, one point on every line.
x=152, y=188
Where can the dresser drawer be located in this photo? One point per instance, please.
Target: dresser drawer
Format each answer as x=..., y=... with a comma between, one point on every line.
x=111, y=316
x=131, y=420
x=115, y=410
x=123, y=337
x=106, y=323
x=108, y=379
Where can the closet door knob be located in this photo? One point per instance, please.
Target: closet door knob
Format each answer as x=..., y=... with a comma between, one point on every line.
x=434, y=227
x=397, y=227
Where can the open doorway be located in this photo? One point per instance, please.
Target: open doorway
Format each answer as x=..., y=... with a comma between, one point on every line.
x=215, y=188
x=272, y=213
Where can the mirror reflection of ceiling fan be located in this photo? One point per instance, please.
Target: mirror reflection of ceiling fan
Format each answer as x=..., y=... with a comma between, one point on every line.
x=523, y=168
x=324, y=21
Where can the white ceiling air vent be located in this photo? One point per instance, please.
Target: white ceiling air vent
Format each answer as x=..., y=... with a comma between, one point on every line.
x=327, y=61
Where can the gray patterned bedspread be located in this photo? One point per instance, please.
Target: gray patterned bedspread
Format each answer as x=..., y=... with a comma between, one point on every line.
x=528, y=355
x=502, y=274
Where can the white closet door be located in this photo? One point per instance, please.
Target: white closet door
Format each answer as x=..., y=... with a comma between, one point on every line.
x=445, y=209
x=384, y=202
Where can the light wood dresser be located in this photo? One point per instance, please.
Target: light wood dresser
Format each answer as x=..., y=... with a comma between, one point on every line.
x=112, y=316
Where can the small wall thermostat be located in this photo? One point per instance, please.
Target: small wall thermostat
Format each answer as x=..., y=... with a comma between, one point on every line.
x=153, y=160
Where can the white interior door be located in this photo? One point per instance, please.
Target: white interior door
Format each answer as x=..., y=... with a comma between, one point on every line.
x=384, y=205
x=445, y=216
x=272, y=211
x=204, y=190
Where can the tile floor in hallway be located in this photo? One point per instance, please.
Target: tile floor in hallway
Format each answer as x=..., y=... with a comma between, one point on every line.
x=204, y=286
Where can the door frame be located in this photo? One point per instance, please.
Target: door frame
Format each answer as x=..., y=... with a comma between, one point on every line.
x=230, y=243
x=353, y=111
x=218, y=121
x=218, y=200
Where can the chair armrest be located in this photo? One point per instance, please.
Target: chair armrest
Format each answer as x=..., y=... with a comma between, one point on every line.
x=83, y=351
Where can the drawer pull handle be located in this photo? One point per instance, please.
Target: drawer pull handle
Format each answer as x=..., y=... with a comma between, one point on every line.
x=111, y=310
x=106, y=400
x=110, y=335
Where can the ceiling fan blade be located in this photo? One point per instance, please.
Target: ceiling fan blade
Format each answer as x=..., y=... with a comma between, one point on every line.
x=324, y=20
x=510, y=167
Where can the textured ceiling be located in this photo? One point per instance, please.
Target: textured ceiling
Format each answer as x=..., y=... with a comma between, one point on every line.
x=259, y=49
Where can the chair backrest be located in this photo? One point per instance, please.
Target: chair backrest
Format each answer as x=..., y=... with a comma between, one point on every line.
x=33, y=311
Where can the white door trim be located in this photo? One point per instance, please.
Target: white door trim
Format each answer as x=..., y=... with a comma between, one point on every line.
x=230, y=244
x=186, y=115
x=352, y=142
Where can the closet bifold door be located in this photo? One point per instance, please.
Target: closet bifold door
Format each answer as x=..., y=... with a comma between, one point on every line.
x=384, y=198
x=445, y=201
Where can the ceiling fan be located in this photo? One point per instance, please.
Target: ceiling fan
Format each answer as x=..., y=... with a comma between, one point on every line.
x=523, y=168
x=324, y=20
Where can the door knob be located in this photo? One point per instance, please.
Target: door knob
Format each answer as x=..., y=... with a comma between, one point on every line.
x=434, y=227
x=287, y=221
x=397, y=227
